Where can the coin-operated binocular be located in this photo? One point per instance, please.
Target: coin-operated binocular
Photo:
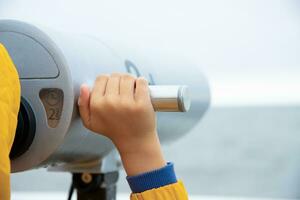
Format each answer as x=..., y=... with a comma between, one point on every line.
x=53, y=65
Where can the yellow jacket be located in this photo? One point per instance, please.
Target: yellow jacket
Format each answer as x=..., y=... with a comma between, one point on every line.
x=174, y=191
x=9, y=108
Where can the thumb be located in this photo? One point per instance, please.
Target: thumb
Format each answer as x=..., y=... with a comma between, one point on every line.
x=84, y=104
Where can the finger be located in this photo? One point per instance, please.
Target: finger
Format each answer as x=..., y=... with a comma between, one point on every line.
x=100, y=86
x=127, y=84
x=84, y=104
x=142, y=90
x=113, y=85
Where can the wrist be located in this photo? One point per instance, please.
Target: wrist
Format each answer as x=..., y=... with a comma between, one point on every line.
x=135, y=143
x=141, y=155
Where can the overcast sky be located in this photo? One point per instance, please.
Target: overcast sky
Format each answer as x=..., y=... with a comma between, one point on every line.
x=248, y=49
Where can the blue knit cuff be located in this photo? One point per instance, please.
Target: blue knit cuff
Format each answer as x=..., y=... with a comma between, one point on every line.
x=153, y=179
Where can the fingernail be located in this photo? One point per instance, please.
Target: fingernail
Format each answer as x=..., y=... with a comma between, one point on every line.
x=143, y=78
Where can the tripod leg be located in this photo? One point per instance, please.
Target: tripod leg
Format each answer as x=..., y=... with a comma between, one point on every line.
x=95, y=186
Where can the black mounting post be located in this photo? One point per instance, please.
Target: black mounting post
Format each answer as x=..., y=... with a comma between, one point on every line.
x=96, y=186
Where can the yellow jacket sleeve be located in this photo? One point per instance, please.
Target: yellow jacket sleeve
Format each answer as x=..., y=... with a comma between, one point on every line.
x=9, y=108
x=174, y=191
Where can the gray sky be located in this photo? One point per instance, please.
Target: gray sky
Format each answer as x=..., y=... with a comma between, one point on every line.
x=248, y=49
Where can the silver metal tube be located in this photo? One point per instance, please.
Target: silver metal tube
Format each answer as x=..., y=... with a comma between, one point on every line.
x=170, y=98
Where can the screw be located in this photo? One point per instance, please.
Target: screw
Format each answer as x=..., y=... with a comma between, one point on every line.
x=86, y=178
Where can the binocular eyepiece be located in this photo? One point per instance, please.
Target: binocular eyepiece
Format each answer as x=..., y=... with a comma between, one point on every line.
x=25, y=130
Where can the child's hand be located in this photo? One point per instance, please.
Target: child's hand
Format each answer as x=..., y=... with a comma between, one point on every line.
x=119, y=107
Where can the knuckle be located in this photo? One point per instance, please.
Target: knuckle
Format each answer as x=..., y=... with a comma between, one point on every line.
x=102, y=77
x=128, y=77
x=115, y=74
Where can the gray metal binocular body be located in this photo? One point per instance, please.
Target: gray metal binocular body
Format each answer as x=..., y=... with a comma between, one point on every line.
x=53, y=65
